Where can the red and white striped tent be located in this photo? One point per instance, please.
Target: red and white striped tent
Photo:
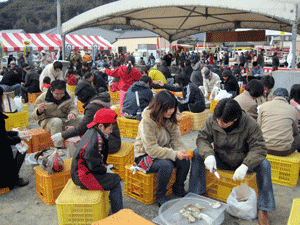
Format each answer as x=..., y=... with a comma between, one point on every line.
x=14, y=41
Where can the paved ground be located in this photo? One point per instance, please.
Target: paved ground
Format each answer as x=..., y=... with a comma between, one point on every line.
x=23, y=206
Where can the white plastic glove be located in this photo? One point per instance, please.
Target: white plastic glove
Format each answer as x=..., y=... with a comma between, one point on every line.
x=240, y=172
x=205, y=94
x=109, y=167
x=56, y=137
x=210, y=163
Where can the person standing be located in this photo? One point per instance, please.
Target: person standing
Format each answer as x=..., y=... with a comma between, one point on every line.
x=275, y=62
x=261, y=59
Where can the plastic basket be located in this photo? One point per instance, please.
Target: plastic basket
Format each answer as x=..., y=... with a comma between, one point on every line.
x=158, y=90
x=71, y=89
x=40, y=140
x=178, y=94
x=25, y=108
x=242, y=90
x=17, y=119
x=213, y=104
x=285, y=170
x=116, y=108
x=143, y=187
x=77, y=206
x=185, y=123
x=33, y=96
x=80, y=107
x=197, y=119
x=122, y=158
x=221, y=188
x=294, y=218
x=48, y=187
x=115, y=97
x=11, y=94
x=128, y=127
x=4, y=190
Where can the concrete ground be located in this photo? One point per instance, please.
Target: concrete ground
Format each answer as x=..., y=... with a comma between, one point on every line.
x=23, y=206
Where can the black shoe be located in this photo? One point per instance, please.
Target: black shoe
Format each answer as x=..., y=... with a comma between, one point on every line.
x=161, y=201
x=21, y=182
x=181, y=193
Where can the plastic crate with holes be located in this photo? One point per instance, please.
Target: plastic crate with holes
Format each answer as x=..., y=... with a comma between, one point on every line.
x=76, y=206
x=185, y=123
x=115, y=96
x=80, y=107
x=143, y=187
x=48, y=187
x=71, y=89
x=40, y=140
x=285, y=169
x=294, y=218
x=4, y=190
x=33, y=96
x=116, y=108
x=122, y=158
x=128, y=127
x=213, y=104
x=197, y=119
x=221, y=188
x=242, y=90
x=11, y=94
x=17, y=119
x=158, y=90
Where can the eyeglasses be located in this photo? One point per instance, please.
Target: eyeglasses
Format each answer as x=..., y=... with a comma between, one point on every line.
x=58, y=94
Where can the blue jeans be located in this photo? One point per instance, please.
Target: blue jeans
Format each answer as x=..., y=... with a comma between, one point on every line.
x=266, y=201
x=164, y=169
x=16, y=88
x=116, y=198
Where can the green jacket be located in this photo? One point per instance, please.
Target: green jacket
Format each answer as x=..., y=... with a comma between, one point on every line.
x=244, y=144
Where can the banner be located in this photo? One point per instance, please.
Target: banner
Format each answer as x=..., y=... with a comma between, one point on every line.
x=68, y=51
x=1, y=48
x=158, y=47
x=95, y=51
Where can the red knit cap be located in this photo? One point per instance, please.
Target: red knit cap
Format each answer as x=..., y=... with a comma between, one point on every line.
x=103, y=115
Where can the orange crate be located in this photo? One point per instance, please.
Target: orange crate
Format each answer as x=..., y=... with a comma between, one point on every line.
x=178, y=94
x=221, y=188
x=40, y=140
x=115, y=97
x=128, y=127
x=158, y=90
x=197, y=119
x=143, y=187
x=80, y=107
x=48, y=187
x=213, y=104
x=4, y=190
x=185, y=123
x=11, y=94
x=116, y=108
x=242, y=90
x=33, y=96
x=122, y=158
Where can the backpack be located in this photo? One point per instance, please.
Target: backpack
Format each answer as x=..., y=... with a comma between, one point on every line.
x=9, y=105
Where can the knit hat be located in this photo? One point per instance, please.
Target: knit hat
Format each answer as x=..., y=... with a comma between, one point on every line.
x=103, y=115
x=207, y=74
x=281, y=92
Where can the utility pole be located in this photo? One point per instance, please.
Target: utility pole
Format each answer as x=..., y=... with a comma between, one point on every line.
x=294, y=37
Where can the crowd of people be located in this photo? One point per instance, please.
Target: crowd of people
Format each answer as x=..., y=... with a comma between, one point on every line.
x=242, y=129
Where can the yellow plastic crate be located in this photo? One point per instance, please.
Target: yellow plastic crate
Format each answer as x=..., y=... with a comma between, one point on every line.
x=143, y=187
x=197, y=119
x=17, y=119
x=71, y=89
x=11, y=94
x=185, y=123
x=76, y=206
x=221, y=188
x=242, y=90
x=128, y=127
x=33, y=96
x=48, y=187
x=122, y=158
x=115, y=97
x=294, y=218
x=116, y=108
x=285, y=169
x=25, y=108
x=80, y=107
x=213, y=104
x=158, y=90
x=4, y=190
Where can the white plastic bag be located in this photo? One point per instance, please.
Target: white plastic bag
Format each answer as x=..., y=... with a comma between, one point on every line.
x=222, y=94
x=18, y=103
x=242, y=209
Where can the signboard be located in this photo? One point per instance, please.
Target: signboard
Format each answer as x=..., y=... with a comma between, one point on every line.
x=1, y=48
x=95, y=52
x=68, y=51
x=28, y=51
x=240, y=36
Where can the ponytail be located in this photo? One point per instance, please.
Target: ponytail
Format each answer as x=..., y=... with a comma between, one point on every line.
x=128, y=68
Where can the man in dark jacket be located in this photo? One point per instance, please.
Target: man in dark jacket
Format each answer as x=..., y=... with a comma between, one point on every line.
x=165, y=70
x=168, y=59
x=131, y=109
x=230, y=83
x=92, y=103
x=11, y=82
x=260, y=58
x=188, y=69
x=32, y=84
x=239, y=146
x=96, y=81
x=225, y=59
x=275, y=61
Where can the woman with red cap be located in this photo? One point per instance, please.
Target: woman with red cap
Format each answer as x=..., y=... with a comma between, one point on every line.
x=89, y=169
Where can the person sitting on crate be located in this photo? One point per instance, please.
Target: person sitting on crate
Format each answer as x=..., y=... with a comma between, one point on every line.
x=193, y=99
x=278, y=121
x=210, y=81
x=96, y=81
x=31, y=84
x=268, y=82
x=9, y=165
x=54, y=71
x=132, y=108
x=230, y=83
x=159, y=146
x=55, y=109
x=238, y=145
x=11, y=81
x=92, y=103
x=89, y=169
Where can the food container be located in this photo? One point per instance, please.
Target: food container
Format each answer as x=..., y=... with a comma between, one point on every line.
x=169, y=211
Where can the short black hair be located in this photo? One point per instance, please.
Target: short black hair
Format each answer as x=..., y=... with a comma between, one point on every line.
x=187, y=62
x=237, y=71
x=255, y=63
x=46, y=80
x=146, y=79
x=226, y=73
x=227, y=110
x=268, y=81
x=241, y=65
x=87, y=75
x=57, y=64
x=295, y=93
x=255, y=88
x=183, y=79
x=58, y=84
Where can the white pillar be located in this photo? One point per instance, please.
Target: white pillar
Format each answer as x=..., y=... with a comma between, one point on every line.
x=294, y=37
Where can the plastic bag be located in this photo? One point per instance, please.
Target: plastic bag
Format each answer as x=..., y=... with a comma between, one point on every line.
x=50, y=162
x=222, y=94
x=9, y=105
x=18, y=103
x=242, y=209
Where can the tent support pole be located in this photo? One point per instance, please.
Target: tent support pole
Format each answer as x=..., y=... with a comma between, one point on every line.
x=63, y=43
x=294, y=37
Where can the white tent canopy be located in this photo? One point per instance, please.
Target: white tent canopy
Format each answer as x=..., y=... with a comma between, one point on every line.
x=176, y=19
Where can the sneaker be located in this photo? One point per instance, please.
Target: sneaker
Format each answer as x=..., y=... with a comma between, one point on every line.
x=21, y=182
